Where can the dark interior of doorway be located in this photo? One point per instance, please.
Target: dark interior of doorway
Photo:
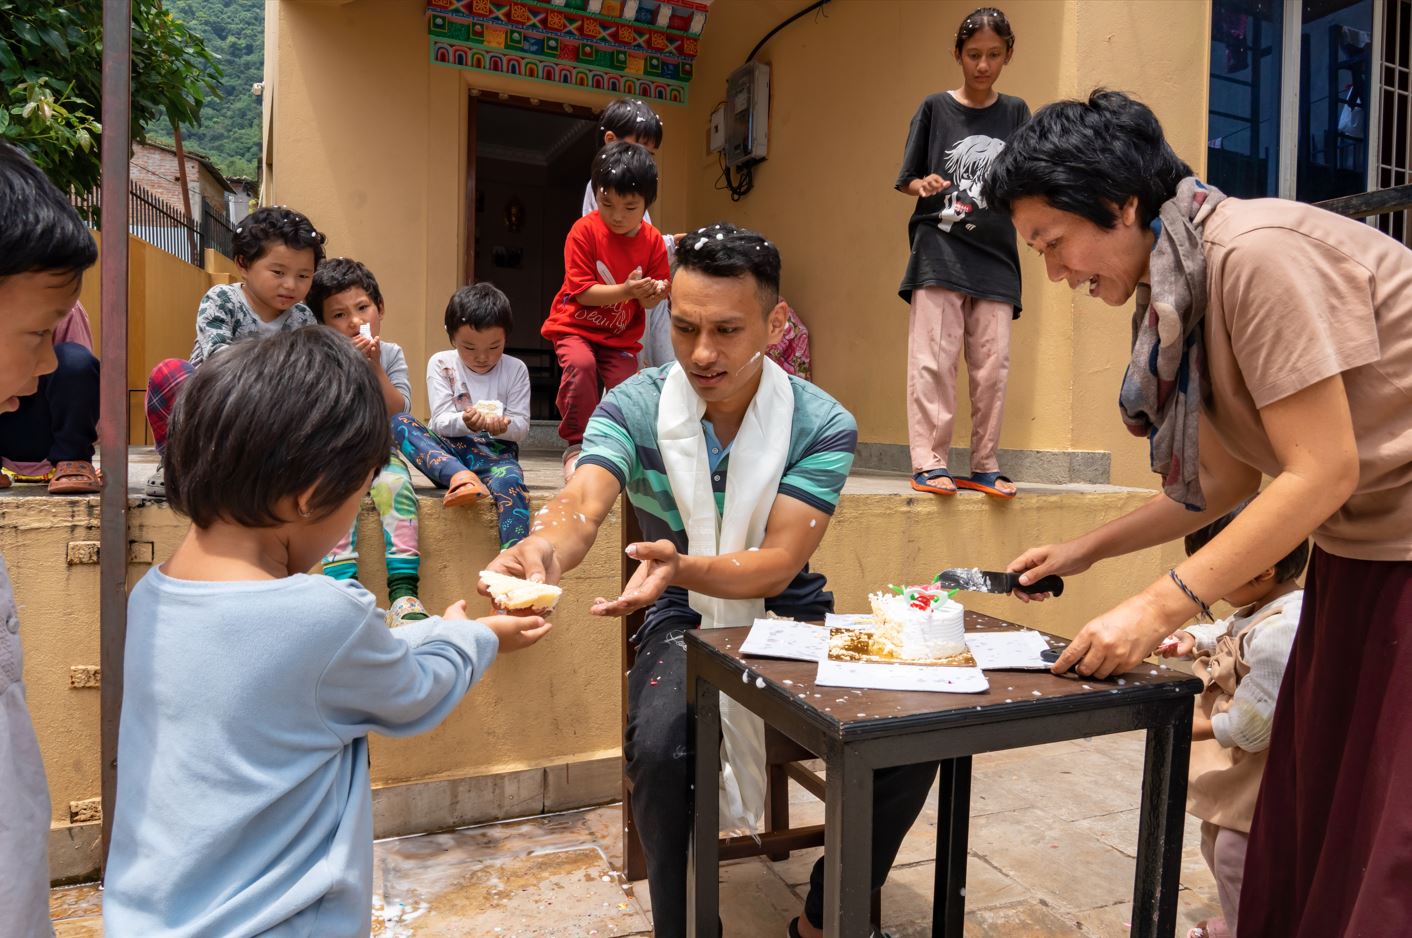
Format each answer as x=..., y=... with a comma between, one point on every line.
x=528, y=171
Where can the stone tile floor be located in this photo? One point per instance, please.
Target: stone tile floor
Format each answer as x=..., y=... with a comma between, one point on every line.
x=1053, y=838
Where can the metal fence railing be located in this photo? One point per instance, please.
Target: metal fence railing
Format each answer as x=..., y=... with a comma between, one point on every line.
x=217, y=232
x=1390, y=209
x=162, y=225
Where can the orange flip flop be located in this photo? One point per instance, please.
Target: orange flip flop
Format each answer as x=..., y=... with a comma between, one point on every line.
x=922, y=482
x=465, y=489
x=75, y=477
x=985, y=482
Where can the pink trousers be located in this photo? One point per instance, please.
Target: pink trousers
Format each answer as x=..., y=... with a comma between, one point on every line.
x=1224, y=850
x=942, y=323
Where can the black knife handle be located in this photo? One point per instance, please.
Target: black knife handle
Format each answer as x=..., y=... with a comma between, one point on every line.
x=1054, y=585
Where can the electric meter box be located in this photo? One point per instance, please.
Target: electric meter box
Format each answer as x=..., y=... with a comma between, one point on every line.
x=747, y=115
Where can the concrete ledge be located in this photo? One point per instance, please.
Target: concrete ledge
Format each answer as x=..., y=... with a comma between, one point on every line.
x=413, y=808
x=443, y=804
x=1053, y=467
x=75, y=853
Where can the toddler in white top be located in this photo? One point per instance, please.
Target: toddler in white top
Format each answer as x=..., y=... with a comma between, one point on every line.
x=1242, y=659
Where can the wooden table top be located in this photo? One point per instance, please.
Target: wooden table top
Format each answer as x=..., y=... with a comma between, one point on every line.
x=848, y=712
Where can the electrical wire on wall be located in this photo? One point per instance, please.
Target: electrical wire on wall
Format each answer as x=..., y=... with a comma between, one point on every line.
x=739, y=182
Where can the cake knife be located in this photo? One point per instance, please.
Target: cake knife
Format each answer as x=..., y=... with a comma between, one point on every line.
x=973, y=580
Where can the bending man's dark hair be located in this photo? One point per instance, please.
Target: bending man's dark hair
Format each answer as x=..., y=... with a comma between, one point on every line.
x=1088, y=158
x=724, y=250
x=39, y=229
x=267, y=420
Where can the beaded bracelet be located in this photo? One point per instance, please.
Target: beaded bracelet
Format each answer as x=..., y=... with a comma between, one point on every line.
x=1205, y=609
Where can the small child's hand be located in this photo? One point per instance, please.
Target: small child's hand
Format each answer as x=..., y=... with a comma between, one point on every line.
x=931, y=185
x=639, y=287
x=369, y=349
x=516, y=632
x=456, y=610
x=1177, y=645
x=473, y=419
x=497, y=425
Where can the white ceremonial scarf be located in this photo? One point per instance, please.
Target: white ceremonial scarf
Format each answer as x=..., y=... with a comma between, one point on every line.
x=760, y=451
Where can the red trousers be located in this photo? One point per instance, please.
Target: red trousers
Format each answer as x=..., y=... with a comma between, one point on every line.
x=585, y=367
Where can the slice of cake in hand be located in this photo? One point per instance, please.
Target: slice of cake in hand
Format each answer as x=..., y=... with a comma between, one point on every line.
x=919, y=624
x=489, y=408
x=513, y=593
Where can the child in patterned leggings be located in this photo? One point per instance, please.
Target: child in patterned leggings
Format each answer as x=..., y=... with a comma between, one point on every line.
x=479, y=412
x=345, y=297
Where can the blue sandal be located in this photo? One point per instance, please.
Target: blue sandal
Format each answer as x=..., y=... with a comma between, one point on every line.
x=922, y=482
x=985, y=482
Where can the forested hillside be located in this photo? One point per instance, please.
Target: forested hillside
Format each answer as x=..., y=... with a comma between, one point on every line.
x=230, y=127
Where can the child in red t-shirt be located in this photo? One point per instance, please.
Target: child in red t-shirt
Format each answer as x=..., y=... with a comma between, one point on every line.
x=615, y=266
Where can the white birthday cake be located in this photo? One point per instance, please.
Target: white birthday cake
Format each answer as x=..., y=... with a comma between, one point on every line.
x=919, y=623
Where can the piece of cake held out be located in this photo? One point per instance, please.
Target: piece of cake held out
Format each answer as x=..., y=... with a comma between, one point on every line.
x=513, y=593
x=489, y=408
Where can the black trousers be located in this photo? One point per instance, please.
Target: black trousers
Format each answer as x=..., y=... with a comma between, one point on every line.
x=660, y=766
x=60, y=420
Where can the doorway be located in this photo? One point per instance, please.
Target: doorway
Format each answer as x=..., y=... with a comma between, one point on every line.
x=527, y=164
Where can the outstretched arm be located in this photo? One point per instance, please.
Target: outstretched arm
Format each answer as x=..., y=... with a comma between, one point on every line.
x=792, y=534
x=562, y=532
x=1311, y=432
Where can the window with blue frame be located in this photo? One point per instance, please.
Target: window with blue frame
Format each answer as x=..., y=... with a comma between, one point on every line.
x=1247, y=139
x=1243, y=136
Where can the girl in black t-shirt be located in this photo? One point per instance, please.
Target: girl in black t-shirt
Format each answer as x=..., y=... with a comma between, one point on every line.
x=963, y=276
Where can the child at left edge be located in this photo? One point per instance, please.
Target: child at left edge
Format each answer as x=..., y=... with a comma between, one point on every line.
x=346, y=298
x=615, y=267
x=44, y=250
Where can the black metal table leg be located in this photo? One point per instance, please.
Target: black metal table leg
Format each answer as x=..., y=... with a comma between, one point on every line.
x=848, y=843
x=703, y=871
x=1159, y=839
x=953, y=827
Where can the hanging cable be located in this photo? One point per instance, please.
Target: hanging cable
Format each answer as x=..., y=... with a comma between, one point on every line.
x=813, y=6
x=739, y=182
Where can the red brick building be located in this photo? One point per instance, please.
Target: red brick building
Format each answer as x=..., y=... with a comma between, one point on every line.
x=154, y=167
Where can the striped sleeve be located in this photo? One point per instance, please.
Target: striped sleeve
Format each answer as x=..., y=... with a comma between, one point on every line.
x=816, y=478
x=607, y=442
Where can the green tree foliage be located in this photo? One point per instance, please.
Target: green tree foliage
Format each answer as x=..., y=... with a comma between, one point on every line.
x=51, y=79
x=230, y=128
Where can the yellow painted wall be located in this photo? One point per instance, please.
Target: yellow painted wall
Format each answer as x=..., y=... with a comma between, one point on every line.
x=552, y=704
x=385, y=179
x=560, y=701
x=369, y=141
x=844, y=85
x=163, y=294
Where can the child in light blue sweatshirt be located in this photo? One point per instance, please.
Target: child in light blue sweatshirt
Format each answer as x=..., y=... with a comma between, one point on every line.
x=243, y=802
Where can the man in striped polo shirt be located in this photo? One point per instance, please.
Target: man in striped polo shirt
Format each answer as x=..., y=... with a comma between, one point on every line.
x=725, y=313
